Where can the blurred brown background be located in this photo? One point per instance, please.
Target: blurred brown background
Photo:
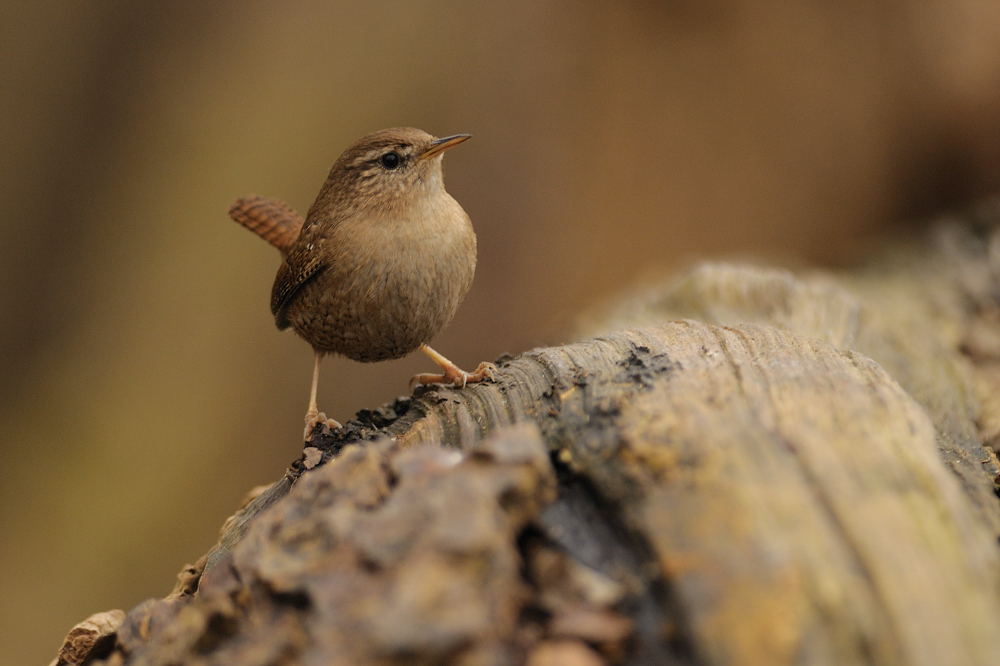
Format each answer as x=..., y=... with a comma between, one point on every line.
x=143, y=386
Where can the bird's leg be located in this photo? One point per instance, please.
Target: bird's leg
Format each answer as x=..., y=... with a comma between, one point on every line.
x=452, y=373
x=314, y=416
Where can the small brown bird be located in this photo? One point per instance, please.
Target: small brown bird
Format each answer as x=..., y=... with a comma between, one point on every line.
x=381, y=263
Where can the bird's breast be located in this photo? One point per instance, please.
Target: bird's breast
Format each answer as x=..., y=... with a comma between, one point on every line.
x=392, y=283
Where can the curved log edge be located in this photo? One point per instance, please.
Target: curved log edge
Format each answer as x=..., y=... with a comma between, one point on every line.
x=678, y=493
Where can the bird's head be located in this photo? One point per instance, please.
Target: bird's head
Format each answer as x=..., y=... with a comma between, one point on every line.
x=387, y=168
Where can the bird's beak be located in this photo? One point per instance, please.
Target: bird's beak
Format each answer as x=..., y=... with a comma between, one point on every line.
x=438, y=146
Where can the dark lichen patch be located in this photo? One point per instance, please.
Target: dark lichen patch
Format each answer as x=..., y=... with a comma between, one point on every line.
x=643, y=368
x=368, y=425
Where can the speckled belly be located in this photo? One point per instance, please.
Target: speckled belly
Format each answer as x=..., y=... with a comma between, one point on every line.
x=376, y=311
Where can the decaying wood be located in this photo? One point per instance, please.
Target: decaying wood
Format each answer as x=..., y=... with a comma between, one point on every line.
x=746, y=466
x=91, y=639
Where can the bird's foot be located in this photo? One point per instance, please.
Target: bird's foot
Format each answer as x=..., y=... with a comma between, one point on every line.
x=456, y=376
x=314, y=418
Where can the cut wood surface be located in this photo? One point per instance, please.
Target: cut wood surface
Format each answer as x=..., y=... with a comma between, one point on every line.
x=744, y=466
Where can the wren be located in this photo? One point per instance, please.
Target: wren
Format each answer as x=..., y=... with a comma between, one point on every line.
x=381, y=262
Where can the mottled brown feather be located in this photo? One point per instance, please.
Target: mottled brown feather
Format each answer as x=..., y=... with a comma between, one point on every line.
x=271, y=219
x=301, y=265
x=384, y=257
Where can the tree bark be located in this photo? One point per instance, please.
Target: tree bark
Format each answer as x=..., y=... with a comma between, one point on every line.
x=745, y=466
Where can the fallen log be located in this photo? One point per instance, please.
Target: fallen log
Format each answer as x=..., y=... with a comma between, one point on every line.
x=742, y=466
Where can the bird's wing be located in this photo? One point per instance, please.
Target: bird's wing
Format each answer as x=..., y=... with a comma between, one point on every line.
x=302, y=263
x=271, y=219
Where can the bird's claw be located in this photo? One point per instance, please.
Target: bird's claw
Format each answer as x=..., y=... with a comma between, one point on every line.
x=457, y=377
x=314, y=418
x=486, y=370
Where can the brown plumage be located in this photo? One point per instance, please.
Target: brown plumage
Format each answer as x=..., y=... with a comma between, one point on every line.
x=271, y=219
x=381, y=263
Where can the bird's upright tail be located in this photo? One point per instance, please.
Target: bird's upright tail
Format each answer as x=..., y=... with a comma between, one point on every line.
x=271, y=219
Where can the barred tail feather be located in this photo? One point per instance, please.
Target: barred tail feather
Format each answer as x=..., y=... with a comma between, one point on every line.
x=271, y=219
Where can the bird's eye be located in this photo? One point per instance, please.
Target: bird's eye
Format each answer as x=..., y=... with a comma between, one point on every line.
x=390, y=160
